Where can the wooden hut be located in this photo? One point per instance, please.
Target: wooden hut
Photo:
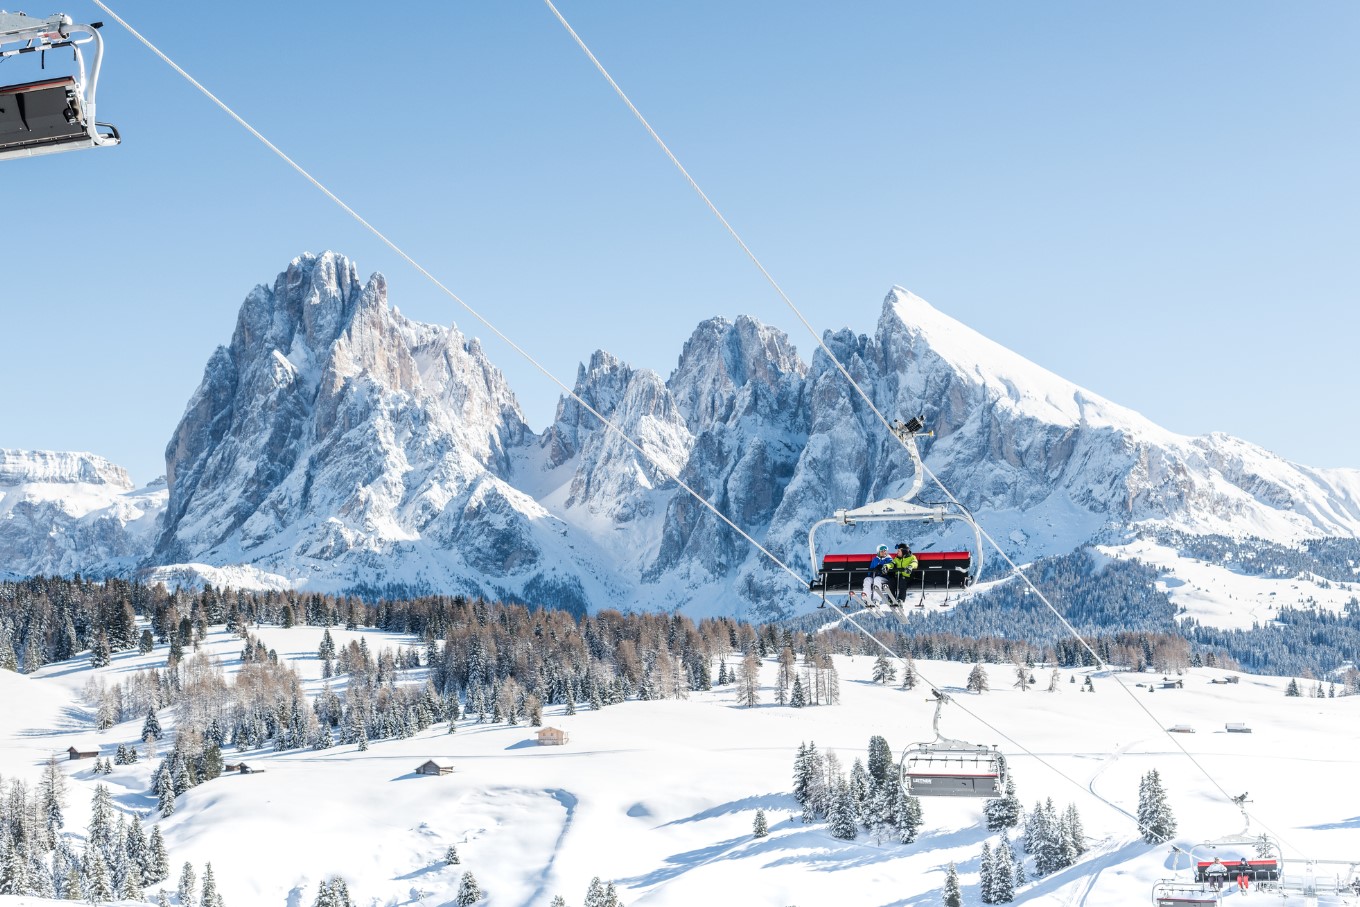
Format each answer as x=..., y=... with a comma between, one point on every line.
x=74, y=753
x=435, y=767
x=551, y=736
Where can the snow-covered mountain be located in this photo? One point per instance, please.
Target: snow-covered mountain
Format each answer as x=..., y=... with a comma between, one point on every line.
x=73, y=513
x=335, y=444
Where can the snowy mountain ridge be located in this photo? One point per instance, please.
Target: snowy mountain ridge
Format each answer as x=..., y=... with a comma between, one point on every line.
x=336, y=445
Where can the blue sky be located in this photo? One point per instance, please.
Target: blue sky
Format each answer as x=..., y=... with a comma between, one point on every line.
x=1160, y=202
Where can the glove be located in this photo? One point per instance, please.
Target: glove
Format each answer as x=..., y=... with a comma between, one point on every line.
x=885, y=570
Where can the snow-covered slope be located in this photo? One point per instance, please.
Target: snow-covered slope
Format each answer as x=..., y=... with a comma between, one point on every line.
x=660, y=796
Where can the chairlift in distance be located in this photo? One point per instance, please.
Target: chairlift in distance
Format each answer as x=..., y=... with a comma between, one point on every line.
x=952, y=768
x=1172, y=893
x=844, y=574
x=57, y=114
x=1242, y=847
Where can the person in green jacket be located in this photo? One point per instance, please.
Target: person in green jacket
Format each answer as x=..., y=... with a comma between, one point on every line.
x=903, y=565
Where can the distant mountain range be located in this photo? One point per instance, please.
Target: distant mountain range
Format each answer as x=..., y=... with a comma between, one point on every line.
x=336, y=445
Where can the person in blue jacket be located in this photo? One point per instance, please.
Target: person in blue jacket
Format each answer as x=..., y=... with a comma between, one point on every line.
x=877, y=580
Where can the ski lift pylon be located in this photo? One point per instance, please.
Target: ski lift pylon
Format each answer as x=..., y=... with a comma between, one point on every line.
x=56, y=114
x=952, y=768
x=844, y=574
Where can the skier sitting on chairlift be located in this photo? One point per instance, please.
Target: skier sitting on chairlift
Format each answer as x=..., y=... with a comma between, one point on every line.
x=903, y=566
x=879, y=569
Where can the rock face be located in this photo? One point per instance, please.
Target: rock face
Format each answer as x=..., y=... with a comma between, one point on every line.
x=336, y=445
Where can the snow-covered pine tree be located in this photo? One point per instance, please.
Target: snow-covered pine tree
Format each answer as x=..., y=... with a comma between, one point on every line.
x=882, y=768
x=977, y=679
x=468, y=891
x=209, y=897
x=595, y=893
x=908, y=818
x=953, y=897
x=451, y=856
x=187, y=883
x=1154, y=812
x=859, y=788
x=1003, y=872
x=842, y=818
x=98, y=885
x=152, y=726
x=1004, y=811
x=1074, y=829
x=797, y=699
x=761, y=827
x=158, y=861
x=558, y=901
x=908, y=675
x=884, y=672
x=987, y=869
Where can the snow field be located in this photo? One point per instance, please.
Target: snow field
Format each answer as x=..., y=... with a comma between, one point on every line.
x=660, y=796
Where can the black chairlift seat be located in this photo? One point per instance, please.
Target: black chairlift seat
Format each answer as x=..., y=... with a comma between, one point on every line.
x=45, y=116
x=56, y=114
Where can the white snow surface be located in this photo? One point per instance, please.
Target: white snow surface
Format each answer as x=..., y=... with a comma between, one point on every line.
x=660, y=796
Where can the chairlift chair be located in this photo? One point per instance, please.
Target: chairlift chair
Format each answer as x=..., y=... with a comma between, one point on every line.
x=1171, y=893
x=55, y=114
x=844, y=574
x=1243, y=854
x=952, y=768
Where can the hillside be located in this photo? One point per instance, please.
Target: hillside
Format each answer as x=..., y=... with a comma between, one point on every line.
x=659, y=796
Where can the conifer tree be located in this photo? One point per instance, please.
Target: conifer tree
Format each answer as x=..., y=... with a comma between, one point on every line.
x=884, y=672
x=986, y=873
x=909, y=675
x=1003, y=872
x=881, y=764
x=187, y=883
x=1154, y=812
x=152, y=726
x=760, y=828
x=1074, y=830
x=595, y=893
x=210, y=896
x=451, y=856
x=98, y=885
x=158, y=864
x=953, y=897
x=977, y=679
x=558, y=901
x=797, y=699
x=842, y=817
x=908, y=818
x=468, y=892
x=1004, y=811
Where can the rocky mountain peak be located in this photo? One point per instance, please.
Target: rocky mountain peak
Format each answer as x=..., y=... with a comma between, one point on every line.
x=19, y=467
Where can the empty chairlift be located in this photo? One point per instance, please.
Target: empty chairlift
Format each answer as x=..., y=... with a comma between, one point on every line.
x=1170, y=893
x=57, y=113
x=952, y=768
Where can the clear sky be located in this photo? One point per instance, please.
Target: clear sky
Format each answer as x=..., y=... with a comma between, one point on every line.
x=1159, y=201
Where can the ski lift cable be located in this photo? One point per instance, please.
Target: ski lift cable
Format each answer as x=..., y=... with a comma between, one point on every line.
x=1015, y=568
x=527, y=356
x=609, y=425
